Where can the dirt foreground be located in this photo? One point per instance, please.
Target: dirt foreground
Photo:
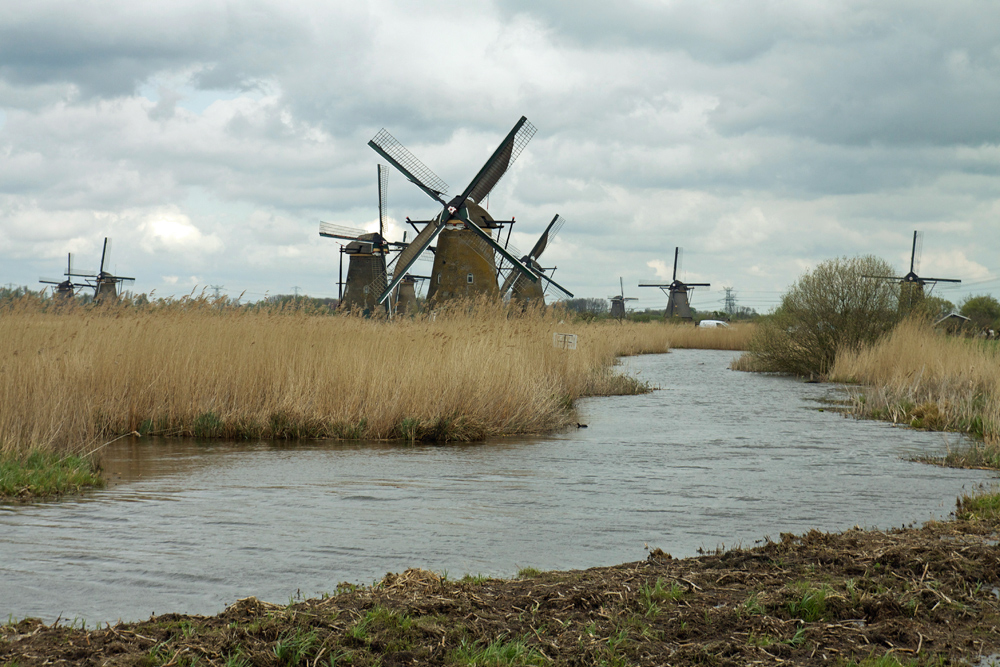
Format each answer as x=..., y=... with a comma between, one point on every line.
x=909, y=596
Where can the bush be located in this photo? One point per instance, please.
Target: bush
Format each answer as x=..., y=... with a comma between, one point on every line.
x=833, y=307
x=984, y=311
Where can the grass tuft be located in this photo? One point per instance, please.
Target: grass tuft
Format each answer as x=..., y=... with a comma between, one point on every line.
x=40, y=474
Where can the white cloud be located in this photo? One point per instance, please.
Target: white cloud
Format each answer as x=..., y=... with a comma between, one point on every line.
x=171, y=231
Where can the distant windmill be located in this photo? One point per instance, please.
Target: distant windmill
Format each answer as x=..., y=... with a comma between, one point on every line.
x=618, y=302
x=105, y=283
x=460, y=268
x=64, y=288
x=911, y=290
x=366, y=268
x=678, y=304
x=524, y=290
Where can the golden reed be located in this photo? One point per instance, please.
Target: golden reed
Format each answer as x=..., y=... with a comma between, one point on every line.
x=920, y=376
x=73, y=376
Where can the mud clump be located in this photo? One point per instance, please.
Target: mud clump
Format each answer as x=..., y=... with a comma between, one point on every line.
x=909, y=596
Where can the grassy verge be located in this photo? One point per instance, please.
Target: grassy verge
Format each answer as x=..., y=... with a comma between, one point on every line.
x=917, y=596
x=925, y=379
x=41, y=474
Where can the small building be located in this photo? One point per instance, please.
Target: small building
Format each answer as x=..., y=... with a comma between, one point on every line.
x=953, y=323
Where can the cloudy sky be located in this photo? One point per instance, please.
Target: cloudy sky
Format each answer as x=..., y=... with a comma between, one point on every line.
x=208, y=138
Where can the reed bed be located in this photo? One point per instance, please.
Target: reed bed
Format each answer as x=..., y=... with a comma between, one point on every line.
x=734, y=337
x=922, y=377
x=73, y=377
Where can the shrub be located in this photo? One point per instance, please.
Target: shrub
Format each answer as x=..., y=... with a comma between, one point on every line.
x=835, y=306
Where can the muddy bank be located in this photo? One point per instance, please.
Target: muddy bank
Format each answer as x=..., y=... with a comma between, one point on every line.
x=919, y=595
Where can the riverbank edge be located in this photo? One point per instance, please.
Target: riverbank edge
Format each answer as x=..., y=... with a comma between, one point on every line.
x=40, y=475
x=908, y=596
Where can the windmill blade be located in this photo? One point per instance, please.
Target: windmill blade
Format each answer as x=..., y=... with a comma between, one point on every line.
x=383, y=201
x=69, y=264
x=941, y=280
x=516, y=263
x=50, y=281
x=106, y=253
x=408, y=255
x=416, y=171
x=550, y=233
x=551, y=283
x=678, y=260
x=499, y=162
x=621, y=283
x=918, y=246
x=333, y=231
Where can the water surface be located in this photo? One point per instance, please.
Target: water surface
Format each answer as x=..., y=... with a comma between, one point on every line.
x=714, y=457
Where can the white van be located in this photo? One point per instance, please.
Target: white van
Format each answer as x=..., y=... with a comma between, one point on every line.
x=711, y=324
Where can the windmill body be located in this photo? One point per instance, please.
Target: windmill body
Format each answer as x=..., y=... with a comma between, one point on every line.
x=105, y=284
x=457, y=270
x=405, y=296
x=366, y=272
x=524, y=291
x=618, y=302
x=678, y=303
x=65, y=289
x=366, y=267
x=911, y=286
x=464, y=265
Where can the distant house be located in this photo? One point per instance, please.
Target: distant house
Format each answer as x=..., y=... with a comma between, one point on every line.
x=952, y=322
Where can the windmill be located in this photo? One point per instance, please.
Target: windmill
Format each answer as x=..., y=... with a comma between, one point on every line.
x=105, y=283
x=64, y=288
x=464, y=261
x=618, y=302
x=911, y=290
x=523, y=290
x=366, y=268
x=678, y=304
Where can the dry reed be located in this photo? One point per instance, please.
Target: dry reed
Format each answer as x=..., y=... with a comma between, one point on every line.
x=734, y=337
x=922, y=377
x=76, y=376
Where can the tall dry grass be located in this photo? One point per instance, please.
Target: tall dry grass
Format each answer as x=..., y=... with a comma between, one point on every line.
x=921, y=376
x=74, y=377
x=734, y=337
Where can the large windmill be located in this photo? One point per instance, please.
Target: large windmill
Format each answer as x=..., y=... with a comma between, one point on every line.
x=618, y=302
x=105, y=283
x=911, y=286
x=366, y=268
x=64, y=288
x=460, y=267
x=678, y=303
x=523, y=290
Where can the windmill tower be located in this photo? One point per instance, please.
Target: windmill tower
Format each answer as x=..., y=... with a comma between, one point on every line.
x=525, y=291
x=105, y=283
x=464, y=261
x=911, y=286
x=678, y=303
x=65, y=289
x=618, y=302
x=366, y=268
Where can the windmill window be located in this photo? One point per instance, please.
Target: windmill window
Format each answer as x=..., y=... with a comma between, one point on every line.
x=469, y=279
x=439, y=279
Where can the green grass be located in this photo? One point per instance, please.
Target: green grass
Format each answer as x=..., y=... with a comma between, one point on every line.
x=44, y=474
x=294, y=646
x=981, y=505
x=497, y=653
x=651, y=596
x=810, y=602
x=528, y=573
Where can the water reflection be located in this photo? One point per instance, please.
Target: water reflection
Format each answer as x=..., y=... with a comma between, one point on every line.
x=713, y=457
